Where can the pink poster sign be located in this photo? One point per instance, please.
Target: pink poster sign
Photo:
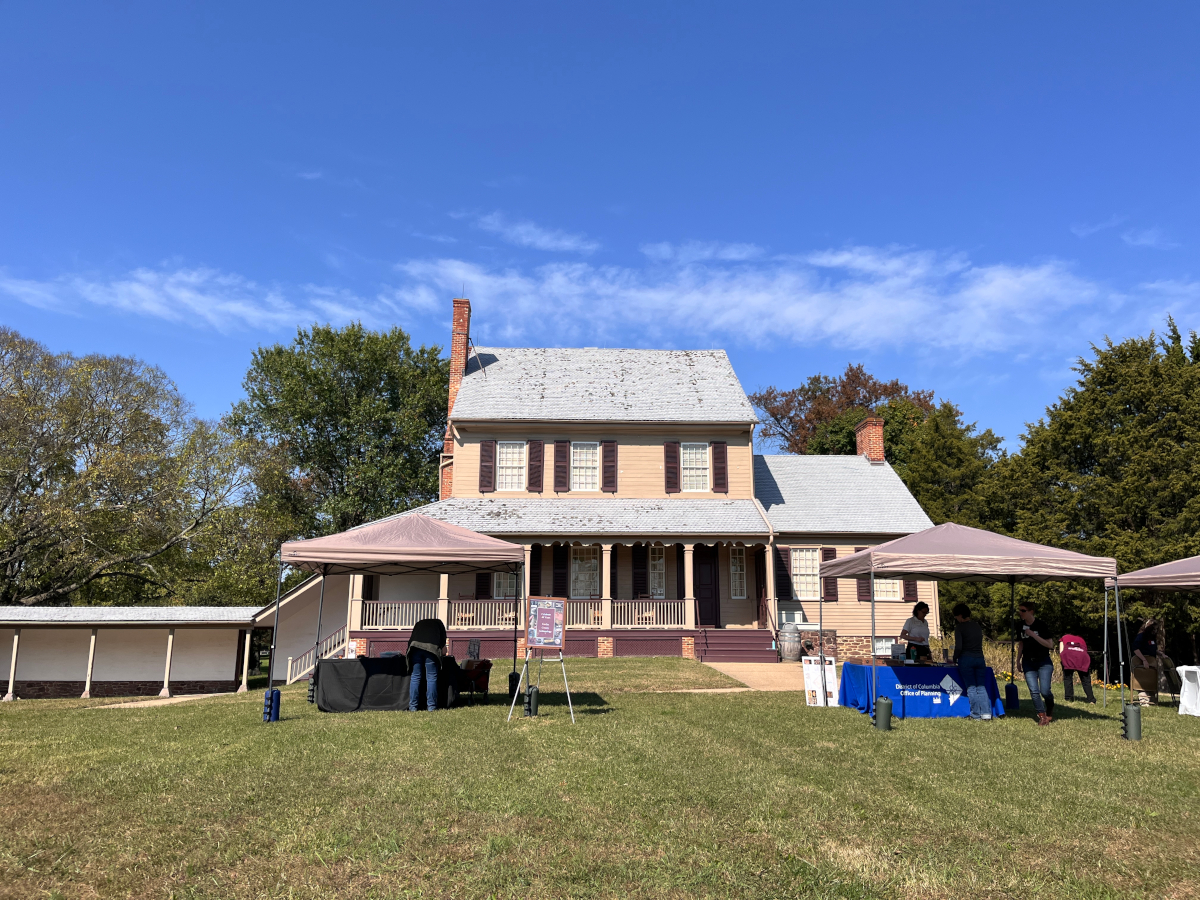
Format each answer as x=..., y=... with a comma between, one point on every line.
x=546, y=623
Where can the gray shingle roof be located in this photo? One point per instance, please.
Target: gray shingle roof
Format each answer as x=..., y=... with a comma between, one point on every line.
x=591, y=385
x=91, y=616
x=643, y=518
x=839, y=494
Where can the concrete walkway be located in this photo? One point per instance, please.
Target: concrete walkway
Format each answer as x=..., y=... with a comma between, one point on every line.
x=782, y=676
x=158, y=701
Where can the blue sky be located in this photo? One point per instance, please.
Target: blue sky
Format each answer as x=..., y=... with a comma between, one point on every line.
x=964, y=196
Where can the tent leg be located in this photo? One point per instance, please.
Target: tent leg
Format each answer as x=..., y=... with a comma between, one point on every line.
x=275, y=628
x=517, y=692
x=1012, y=618
x=1105, y=648
x=1120, y=647
x=320, y=611
x=821, y=641
x=874, y=678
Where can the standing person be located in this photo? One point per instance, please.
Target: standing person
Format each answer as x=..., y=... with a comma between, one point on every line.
x=1145, y=673
x=916, y=632
x=968, y=653
x=1074, y=659
x=1033, y=657
x=426, y=646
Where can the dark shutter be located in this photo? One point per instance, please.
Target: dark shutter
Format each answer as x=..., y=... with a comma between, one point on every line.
x=830, y=584
x=641, y=571
x=760, y=573
x=783, y=572
x=483, y=585
x=680, y=575
x=863, y=586
x=533, y=480
x=910, y=592
x=487, y=467
x=562, y=471
x=612, y=571
x=671, y=466
x=535, y=570
x=561, y=555
x=608, y=466
x=720, y=458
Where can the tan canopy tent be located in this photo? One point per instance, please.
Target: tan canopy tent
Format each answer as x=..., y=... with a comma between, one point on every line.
x=402, y=545
x=1181, y=575
x=951, y=552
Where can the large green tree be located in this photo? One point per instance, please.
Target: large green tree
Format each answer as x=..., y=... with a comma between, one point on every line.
x=348, y=425
x=1113, y=469
x=105, y=477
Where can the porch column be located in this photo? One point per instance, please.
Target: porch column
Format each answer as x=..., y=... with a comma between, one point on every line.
x=525, y=571
x=87, y=683
x=606, y=587
x=12, y=668
x=689, y=589
x=772, y=600
x=246, y=662
x=444, y=599
x=166, y=688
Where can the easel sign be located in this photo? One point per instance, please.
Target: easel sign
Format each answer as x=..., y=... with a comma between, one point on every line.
x=545, y=629
x=545, y=623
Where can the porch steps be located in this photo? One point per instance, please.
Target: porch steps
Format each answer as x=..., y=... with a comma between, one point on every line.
x=735, y=645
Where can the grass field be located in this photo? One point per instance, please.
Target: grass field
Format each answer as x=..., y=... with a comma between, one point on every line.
x=649, y=795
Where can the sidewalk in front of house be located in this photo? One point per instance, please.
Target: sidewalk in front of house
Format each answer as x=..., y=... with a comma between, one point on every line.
x=785, y=676
x=157, y=701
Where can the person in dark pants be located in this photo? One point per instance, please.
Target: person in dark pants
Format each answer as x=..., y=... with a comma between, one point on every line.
x=1033, y=657
x=426, y=647
x=1074, y=659
x=1145, y=667
x=968, y=653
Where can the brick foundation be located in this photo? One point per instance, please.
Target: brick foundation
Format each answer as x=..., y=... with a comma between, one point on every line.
x=44, y=690
x=689, y=648
x=360, y=646
x=604, y=648
x=854, y=647
x=813, y=637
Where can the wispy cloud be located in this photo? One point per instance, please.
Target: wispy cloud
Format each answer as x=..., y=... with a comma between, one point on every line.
x=856, y=297
x=698, y=251
x=311, y=175
x=523, y=233
x=1148, y=237
x=436, y=238
x=208, y=298
x=1083, y=229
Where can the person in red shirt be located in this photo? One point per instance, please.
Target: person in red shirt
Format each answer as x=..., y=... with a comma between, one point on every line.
x=1074, y=659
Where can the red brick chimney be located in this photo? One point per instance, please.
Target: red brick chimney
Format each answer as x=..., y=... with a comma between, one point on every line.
x=460, y=336
x=869, y=435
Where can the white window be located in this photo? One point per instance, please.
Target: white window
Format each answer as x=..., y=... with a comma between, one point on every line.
x=694, y=462
x=737, y=573
x=510, y=466
x=887, y=589
x=504, y=586
x=806, y=573
x=658, y=573
x=585, y=466
x=585, y=572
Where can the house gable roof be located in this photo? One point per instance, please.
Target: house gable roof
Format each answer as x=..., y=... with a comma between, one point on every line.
x=601, y=385
x=835, y=495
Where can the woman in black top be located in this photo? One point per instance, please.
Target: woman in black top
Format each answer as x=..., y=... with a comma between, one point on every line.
x=1033, y=654
x=968, y=653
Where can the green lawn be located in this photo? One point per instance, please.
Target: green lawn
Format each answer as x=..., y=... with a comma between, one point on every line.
x=649, y=795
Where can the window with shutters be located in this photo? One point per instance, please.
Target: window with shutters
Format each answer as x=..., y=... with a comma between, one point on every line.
x=737, y=573
x=658, y=573
x=510, y=466
x=585, y=572
x=806, y=571
x=887, y=589
x=694, y=463
x=505, y=586
x=585, y=466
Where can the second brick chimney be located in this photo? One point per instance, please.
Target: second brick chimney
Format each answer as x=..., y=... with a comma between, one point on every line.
x=460, y=338
x=869, y=436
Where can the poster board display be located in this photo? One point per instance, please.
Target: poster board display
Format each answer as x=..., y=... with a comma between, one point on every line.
x=545, y=623
x=812, y=681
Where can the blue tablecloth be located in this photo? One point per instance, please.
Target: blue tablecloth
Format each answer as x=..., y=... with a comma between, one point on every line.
x=924, y=692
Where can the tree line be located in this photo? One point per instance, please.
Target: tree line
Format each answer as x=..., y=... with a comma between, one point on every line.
x=1111, y=469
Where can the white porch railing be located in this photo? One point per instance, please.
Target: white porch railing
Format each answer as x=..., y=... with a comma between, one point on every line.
x=585, y=613
x=299, y=666
x=387, y=615
x=482, y=613
x=648, y=614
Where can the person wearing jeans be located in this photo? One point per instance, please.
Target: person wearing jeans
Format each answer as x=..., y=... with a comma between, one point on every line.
x=426, y=645
x=1033, y=657
x=1074, y=660
x=968, y=653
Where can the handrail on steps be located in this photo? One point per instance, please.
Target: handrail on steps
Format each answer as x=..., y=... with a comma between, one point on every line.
x=299, y=666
